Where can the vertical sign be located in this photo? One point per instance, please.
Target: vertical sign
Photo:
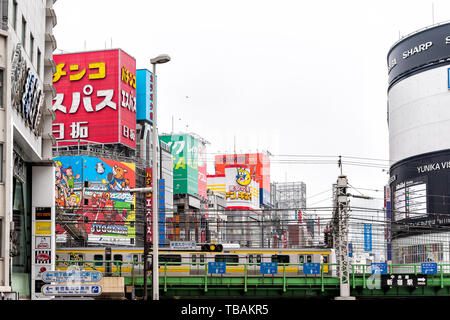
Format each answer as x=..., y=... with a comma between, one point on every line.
x=367, y=237
x=148, y=204
x=95, y=97
x=162, y=209
x=387, y=197
x=350, y=249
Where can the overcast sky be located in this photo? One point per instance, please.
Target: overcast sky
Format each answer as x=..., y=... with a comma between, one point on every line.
x=296, y=78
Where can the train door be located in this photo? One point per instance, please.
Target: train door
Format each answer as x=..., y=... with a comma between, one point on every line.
x=325, y=261
x=254, y=260
x=108, y=261
x=197, y=265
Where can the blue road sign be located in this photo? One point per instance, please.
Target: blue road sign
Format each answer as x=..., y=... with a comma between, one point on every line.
x=217, y=267
x=429, y=268
x=269, y=267
x=71, y=290
x=311, y=268
x=71, y=276
x=379, y=268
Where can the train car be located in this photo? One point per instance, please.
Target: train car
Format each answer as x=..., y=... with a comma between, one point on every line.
x=129, y=261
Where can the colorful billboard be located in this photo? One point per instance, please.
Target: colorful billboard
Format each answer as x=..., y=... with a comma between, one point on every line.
x=93, y=191
x=145, y=90
x=95, y=98
x=241, y=191
x=184, y=149
x=258, y=164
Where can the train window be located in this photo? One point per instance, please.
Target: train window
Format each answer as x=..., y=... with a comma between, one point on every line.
x=194, y=258
x=169, y=258
x=135, y=258
x=250, y=258
x=308, y=258
x=280, y=258
x=228, y=258
x=98, y=257
x=258, y=258
x=118, y=257
x=325, y=259
x=301, y=259
x=202, y=258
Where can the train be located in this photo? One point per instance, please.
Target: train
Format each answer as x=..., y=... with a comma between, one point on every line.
x=129, y=261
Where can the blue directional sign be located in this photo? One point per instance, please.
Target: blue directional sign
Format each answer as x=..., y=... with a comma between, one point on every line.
x=367, y=237
x=71, y=290
x=217, y=267
x=269, y=267
x=429, y=268
x=311, y=268
x=379, y=268
x=71, y=276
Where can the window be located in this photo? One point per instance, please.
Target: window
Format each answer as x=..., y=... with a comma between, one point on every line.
x=31, y=48
x=228, y=258
x=24, y=31
x=301, y=259
x=118, y=257
x=14, y=15
x=1, y=162
x=258, y=258
x=98, y=257
x=38, y=62
x=169, y=258
x=202, y=258
x=194, y=258
x=280, y=259
x=135, y=258
x=250, y=258
x=308, y=259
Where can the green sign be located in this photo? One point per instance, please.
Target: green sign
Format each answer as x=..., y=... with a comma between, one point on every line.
x=184, y=150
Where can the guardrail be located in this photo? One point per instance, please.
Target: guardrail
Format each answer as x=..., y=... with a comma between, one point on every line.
x=359, y=275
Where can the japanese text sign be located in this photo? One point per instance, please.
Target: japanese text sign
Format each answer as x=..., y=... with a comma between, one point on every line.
x=95, y=98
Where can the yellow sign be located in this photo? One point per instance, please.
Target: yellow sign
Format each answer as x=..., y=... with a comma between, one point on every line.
x=243, y=177
x=43, y=228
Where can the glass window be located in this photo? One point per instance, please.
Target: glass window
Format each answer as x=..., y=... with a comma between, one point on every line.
x=301, y=259
x=250, y=258
x=38, y=62
x=135, y=258
x=308, y=258
x=202, y=258
x=24, y=31
x=226, y=258
x=194, y=258
x=118, y=257
x=31, y=48
x=14, y=15
x=98, y=257
x=169, y=258
x=258, y=258
x=280, y=258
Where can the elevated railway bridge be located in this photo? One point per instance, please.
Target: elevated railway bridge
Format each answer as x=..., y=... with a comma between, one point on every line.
x=289, y=280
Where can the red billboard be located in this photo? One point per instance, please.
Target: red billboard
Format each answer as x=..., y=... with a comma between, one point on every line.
x=258, y=163
x=95, y=98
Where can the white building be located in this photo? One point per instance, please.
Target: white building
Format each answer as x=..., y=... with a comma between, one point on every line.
x=26, y=171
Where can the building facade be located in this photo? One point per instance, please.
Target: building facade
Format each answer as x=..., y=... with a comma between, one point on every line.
x=419, y=150
x=27, y=210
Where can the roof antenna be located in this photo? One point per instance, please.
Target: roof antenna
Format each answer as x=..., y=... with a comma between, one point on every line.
x=432, y=11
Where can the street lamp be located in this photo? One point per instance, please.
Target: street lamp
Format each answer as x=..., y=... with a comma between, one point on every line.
x=163, y=58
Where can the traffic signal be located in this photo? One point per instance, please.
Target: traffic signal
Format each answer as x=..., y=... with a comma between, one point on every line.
x=212, y=247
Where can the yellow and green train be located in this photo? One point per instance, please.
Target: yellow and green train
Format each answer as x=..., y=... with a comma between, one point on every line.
x=129, y=261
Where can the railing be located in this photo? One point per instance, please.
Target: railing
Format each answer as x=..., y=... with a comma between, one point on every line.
x=134, y=271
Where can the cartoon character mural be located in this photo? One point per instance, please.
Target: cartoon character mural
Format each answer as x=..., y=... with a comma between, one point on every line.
x=106, y=214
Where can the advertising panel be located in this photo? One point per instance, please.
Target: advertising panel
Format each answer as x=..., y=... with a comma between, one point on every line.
x=420, y=50
x=95, y=98
x=149, y=204
x=144, y=93
x=241, y=191
x=184, y=149
x=162, y=211
x=419, y=193
x=91, y=190
x=258, y=164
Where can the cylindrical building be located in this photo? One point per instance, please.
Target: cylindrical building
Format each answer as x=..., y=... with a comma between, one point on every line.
x=419, y=145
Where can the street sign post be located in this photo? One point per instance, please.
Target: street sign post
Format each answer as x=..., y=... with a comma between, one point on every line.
x=71, y=290
x=379, y=268
x=269, y=267
x=429, y=268
x=217, y=267
x=71, y=276
x=311, y=268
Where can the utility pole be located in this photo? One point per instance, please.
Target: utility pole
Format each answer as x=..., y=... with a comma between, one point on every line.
x=341, y=237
